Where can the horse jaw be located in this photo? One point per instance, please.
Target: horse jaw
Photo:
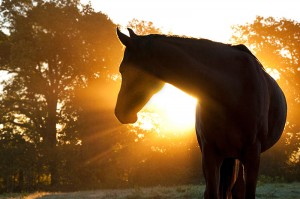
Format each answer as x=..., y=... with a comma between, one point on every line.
x=125, y=118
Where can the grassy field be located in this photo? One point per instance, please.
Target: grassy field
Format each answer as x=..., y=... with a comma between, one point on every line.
x=265, y=191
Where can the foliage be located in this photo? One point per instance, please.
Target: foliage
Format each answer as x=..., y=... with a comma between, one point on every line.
x=18, y=164
x=276, y=43
x=143, y=27
x=52, y=48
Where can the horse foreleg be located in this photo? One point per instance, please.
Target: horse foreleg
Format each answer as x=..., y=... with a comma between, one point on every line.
x=251, y=165
x=211, y=168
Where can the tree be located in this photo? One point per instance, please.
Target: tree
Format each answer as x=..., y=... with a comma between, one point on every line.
x=4, y=46
x=52, y=48
x=276, y=43
x=143, y=27
x=18, y=162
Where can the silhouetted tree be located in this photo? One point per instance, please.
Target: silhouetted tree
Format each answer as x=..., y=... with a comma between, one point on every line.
x=51, y=49
x=142, y=27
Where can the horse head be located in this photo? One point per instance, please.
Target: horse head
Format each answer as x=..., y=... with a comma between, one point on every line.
x=138, y=84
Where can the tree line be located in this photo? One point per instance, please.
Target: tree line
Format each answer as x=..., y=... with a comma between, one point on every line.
x=57, y=128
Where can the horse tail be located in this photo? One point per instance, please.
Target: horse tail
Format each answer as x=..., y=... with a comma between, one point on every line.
x=238, y=190
x=229, y=173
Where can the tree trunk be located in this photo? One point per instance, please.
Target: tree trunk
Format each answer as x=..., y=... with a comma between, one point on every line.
x=50, y=140
x=20, y=186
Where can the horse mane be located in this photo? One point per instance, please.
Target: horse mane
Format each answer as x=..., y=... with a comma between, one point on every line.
x=174, y=37
x=240, y=47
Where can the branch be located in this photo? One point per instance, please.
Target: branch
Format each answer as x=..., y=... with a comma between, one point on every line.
x=10, y=70
x=19, y=124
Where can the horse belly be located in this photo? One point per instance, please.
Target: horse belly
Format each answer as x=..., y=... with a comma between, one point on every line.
x=276, y=116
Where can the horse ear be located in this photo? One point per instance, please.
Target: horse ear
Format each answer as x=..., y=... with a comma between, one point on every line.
x=131, y=33
x=124, y=38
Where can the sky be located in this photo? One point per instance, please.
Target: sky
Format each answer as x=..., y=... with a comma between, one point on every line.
x=198, y=18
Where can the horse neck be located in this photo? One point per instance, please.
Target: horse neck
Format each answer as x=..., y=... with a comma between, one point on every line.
x=175, y=65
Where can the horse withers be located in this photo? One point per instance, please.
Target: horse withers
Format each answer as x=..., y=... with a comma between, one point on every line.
x=241, y=110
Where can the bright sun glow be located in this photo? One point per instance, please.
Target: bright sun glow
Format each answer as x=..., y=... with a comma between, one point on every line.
x=169, y=111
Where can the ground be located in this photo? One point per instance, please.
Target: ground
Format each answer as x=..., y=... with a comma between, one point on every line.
x=264, y=191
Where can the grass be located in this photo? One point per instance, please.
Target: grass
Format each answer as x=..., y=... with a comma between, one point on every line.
x=264, y=191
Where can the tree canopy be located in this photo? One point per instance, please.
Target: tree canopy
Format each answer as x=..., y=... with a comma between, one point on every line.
x=51, y=49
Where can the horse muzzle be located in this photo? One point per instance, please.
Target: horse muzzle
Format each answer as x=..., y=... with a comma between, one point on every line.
x=125, y=118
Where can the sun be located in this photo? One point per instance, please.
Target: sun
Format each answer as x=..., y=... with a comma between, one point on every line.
x=170, y=111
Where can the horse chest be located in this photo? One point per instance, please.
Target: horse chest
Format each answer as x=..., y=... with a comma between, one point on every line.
x=223, y=132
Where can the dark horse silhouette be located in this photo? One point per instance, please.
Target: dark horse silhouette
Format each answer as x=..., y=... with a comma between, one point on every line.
x=241, y=110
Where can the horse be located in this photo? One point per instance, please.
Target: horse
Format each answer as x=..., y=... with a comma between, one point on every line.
x=241, y=110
